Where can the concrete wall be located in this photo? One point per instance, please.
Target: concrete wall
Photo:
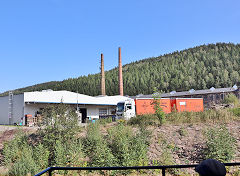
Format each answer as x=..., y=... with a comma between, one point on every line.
x=4, y=110
x=18, y=109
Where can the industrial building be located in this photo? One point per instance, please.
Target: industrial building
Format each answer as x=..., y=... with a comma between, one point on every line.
x=210, y=96
x=15, y=108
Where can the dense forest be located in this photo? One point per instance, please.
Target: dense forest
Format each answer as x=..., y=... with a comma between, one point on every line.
x=201, y=67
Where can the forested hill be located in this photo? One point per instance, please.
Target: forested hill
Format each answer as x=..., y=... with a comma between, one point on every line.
x=200, y=67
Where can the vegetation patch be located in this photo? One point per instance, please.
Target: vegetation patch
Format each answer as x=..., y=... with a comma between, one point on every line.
x=221, y=145
x=60, y=142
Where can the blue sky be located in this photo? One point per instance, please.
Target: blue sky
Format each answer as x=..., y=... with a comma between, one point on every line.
x=47, y=40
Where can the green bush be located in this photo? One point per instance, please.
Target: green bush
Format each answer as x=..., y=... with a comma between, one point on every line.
x=12, y=149
x=236, y=111
x=41, y=155
x=69, y=153
x=166, y=157
x=129, y=148
x=182, y=131
x=220, y=144
x=60, y=122
x=25, y=164
x=54, y=144
x=144, y=120
x=104, y=121
x=19, y=156
x=231, y=99
x=96, y=148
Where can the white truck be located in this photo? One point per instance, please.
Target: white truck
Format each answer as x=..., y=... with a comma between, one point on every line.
x=126, y=109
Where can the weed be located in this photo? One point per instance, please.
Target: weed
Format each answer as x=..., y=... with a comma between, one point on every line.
x=104, y=121
x=231, y=99
x=236, y=111
x=166, y=157
x=221, y=145
x=144, y=120
x=182, y=131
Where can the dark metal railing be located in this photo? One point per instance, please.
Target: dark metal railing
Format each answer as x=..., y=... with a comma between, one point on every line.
x=163, y=168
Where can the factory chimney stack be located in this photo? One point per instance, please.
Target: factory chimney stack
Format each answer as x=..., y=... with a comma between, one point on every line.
x=120, y=78
x=103, y=91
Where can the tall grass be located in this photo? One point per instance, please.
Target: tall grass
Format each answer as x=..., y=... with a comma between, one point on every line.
x=207, y=116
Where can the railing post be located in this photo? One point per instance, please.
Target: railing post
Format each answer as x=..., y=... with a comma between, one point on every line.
x=163, y=171
x=50, y=172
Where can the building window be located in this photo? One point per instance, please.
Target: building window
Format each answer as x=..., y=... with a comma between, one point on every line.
x=103, y=112
x=128, y=106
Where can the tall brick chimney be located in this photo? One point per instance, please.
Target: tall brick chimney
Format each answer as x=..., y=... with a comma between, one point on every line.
x=120, y=78
x=103, y=91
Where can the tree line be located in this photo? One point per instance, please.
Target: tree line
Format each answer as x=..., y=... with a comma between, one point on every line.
x=201, y=67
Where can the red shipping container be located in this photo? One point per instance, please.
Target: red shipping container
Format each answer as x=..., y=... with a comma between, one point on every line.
x=145, y=106
x=189, y=104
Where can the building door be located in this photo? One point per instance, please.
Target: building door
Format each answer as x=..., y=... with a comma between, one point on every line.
x=83, y=111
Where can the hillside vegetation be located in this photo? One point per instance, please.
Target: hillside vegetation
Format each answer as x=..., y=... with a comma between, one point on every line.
x=200, y=67
x=184, y=138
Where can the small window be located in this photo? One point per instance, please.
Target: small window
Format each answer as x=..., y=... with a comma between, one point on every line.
x=103, y=112
x=128, y=106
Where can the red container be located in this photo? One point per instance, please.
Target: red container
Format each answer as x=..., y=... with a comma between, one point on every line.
x=145, y=106
x=189, y=104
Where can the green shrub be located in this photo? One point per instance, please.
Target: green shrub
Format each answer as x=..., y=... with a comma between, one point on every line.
x=182, y=131
x=60, y=122
x=25, y=164
x=236, y=111
x=54, y=144
x=18, y=156
x=156, y=105
x=158, y=111
x=166, y=157
x=207, y=116
x=96, y=148
x=220, y=144
x=144, y=120
x=129, y=148
x=105, y=121
x=41, y=155
x=12, y=150
x=231, y=99
x=69, y=153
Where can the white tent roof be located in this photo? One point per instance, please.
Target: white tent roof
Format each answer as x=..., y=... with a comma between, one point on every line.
x=68, y=97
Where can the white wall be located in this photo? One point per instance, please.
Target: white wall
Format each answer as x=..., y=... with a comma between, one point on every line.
x=93, y=110
x=18, y=109
x=33, y=108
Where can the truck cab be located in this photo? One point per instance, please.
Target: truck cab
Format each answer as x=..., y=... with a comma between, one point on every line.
x=126, y=109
